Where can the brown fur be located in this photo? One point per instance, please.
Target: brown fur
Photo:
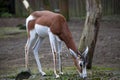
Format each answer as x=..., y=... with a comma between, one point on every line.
x=57, y=24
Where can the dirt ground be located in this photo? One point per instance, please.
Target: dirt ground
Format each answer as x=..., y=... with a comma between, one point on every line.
x=107, y=51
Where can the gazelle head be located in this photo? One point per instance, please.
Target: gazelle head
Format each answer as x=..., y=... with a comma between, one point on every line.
x=80, y=61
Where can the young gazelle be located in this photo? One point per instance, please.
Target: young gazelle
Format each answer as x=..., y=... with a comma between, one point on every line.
x=41, y=24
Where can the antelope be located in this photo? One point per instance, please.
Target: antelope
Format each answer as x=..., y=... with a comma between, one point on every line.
x=39, y=25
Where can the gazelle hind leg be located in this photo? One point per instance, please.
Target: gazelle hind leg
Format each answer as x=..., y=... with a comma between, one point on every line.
x=28, y=45
x=26, y=53
x=53, y=47
x=35, y=51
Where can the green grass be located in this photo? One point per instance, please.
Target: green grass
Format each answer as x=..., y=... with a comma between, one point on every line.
x=70, y=73
x=6, y=32
x=101, y=68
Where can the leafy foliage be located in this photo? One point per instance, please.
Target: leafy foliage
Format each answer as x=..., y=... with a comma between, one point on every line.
x=6, y=15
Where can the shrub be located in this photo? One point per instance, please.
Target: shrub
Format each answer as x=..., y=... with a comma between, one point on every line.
x=6, y=15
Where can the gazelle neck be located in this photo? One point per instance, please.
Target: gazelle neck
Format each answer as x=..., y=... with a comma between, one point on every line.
x=66, y=36
x=71, y=45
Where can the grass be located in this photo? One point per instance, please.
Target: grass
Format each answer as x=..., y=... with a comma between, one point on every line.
x=70, y=73
x=6, y=32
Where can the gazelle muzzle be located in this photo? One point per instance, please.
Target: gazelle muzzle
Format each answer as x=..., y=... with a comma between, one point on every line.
x=81, y=59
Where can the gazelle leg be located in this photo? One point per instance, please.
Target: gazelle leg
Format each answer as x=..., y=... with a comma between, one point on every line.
x=28, y=45
x=59, y=56
x=35, y=50
x=53, y=47
x=26, y=53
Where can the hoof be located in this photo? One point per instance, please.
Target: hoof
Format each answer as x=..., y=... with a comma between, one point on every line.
x=61, y=73
x=43, y=74
x=57, y=76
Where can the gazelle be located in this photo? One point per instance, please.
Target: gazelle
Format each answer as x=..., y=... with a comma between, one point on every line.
x=41, y=24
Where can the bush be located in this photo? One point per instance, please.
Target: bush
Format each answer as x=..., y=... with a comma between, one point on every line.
x=6, y=15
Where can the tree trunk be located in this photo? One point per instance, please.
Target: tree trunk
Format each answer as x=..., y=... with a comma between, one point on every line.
x=91, y=28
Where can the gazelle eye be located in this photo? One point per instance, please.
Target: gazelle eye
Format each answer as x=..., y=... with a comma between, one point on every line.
x=80, y=64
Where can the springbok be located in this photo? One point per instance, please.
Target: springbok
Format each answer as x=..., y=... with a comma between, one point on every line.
x=41, y=24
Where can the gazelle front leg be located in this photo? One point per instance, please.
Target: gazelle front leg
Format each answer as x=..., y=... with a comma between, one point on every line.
x=59, y=46
x=53, y=47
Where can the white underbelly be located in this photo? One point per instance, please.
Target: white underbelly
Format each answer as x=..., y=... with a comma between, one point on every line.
x=41, y=30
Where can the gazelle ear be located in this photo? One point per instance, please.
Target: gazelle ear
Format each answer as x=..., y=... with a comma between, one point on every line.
x=73, y=53
x=85, y=52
